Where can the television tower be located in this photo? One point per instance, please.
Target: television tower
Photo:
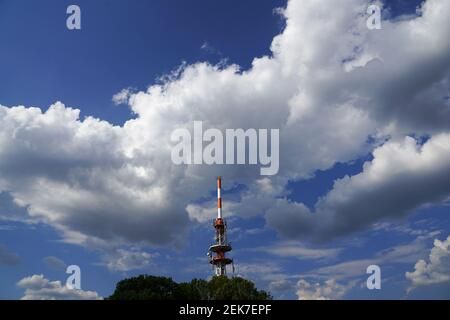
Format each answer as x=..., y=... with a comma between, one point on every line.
x=218, y=250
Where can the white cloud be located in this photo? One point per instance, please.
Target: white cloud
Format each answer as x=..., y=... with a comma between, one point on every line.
x=106, y=185
x=299, y=251
x=126, y=260
x=329, y=290
x=77, y=176
x=434, y=271
x=352, y=269
x=39, y=288
x=122, y=96
x=402, y=176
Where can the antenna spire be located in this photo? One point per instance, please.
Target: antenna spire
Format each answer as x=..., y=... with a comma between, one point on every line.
x=217, y=251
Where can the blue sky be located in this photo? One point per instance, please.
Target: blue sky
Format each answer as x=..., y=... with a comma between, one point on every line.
x=130, y=45
x=120, y=48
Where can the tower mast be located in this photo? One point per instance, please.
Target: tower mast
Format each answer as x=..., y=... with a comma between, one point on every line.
x=219, y=249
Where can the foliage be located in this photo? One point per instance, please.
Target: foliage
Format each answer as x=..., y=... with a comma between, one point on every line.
x=147, y=287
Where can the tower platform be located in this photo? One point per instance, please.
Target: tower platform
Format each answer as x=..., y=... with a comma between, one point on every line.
x=220, y=261
x=220, y=248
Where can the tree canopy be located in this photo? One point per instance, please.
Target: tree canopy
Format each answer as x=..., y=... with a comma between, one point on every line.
x=146, y=287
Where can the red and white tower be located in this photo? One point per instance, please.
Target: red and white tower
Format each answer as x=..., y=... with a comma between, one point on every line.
x=218, y=250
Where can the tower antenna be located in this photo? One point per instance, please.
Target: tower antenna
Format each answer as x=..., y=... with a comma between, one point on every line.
x=218, y=251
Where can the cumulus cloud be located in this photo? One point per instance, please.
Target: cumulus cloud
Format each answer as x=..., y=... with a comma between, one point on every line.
x=37, y=287
x=122, y=96
x=402, y=176
x=434, y=271
x=334, y=89
x=329, y=290
x=77, y=176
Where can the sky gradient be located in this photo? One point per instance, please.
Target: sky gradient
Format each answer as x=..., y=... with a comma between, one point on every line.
x=364, y=118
